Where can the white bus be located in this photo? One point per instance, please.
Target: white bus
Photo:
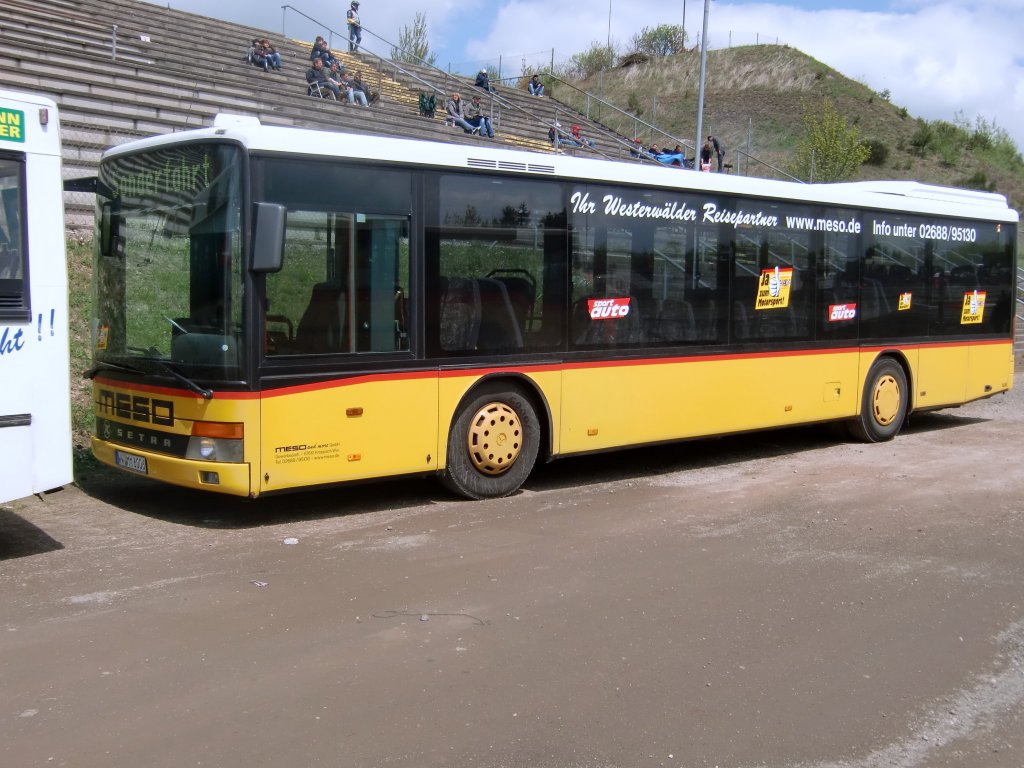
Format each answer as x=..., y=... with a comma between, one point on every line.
x=35, y=410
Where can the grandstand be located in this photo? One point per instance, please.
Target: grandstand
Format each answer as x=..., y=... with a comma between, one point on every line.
x=123, y=69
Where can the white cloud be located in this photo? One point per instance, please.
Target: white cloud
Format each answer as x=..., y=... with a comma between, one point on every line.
x=934, y=58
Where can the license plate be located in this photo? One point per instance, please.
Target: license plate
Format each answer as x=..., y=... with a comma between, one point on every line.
x=131, y=462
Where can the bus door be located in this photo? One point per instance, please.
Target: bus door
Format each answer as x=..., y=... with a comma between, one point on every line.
x=340, y=401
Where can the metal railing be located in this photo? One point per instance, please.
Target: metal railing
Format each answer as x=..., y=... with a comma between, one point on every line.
x=589, y=99
x=496, y=103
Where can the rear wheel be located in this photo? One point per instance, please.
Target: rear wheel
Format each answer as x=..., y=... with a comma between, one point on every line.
x=884, y=404
x=493, y=444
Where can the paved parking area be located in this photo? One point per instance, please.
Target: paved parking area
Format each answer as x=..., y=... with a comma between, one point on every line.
x=772, y=600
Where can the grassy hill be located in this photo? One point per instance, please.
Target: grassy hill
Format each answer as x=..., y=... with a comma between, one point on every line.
x=766, y=88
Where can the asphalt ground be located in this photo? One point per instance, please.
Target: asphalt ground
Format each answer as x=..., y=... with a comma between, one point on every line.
x=782, y=599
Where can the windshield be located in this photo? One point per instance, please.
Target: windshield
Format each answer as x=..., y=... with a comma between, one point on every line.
x=169, y=270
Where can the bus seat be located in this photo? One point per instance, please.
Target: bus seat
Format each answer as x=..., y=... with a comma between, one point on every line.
x=675, y=321
x=499, y=328
x=740, y=321
x=522, y=294
x=460, y=314
x=322, y=327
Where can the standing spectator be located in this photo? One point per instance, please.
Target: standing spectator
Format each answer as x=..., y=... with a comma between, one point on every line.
x=351, y=94
x=317, y=75
x=536, y=86
x=454, y=110
x=270, y=53
x=483, y=81
x=355, y=29
x=475, y=117
x=719, y=151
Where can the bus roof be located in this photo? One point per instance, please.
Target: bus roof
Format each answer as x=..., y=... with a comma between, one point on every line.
x=908, y=196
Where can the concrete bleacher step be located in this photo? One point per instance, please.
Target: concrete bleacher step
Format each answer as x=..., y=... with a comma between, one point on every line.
x=142, y=79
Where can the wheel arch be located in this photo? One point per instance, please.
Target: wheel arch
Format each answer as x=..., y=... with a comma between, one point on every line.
x=900, y=358
x=530, y=389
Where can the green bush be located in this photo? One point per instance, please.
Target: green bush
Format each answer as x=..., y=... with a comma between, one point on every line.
x=879, y=152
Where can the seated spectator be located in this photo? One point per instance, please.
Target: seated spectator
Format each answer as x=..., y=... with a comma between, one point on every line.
x=351, y=94
x=359, y=86
x=475, y=117
x=483, y=81
x=322, y=51
x=637, y=148
x=455, y=115
x=535, y=86
x=320, y=77
x=559, y=139
x=255, y=55
x=270, y=54
x=335, y=70
x=705, y=156
x=580, y=138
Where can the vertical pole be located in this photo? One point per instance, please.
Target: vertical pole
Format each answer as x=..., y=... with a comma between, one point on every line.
x=552, y=61
x=703, y=74
x=113, y=42
x=811, y=179
x=499, y=67
x=284, y=12
x=609, y=25
x=746, y=162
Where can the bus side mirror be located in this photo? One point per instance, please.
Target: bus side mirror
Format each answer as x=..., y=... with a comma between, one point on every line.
x=268, y=236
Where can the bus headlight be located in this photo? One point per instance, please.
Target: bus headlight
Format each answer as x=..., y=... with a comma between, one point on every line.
x=215, y=441
x=214, y=449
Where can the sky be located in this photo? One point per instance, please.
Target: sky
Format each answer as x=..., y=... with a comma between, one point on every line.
x=937, y=58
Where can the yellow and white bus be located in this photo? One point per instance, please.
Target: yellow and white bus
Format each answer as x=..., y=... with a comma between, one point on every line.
x=35, y=401
x=278, y=309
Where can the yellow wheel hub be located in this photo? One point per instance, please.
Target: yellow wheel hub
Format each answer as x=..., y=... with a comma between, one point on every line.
x=495, y=438
x=886, y=400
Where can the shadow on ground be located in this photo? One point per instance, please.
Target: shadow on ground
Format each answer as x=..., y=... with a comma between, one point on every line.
x=19, y=538
x=209, y=510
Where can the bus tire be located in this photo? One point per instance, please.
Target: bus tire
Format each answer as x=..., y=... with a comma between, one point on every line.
x=884, y=403
x=492, y=445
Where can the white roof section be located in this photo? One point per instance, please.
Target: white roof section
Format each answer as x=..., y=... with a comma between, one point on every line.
x=907, y=196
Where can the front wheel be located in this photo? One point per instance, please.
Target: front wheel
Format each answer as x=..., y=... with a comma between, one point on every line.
x=492, y=445
x=884, y=405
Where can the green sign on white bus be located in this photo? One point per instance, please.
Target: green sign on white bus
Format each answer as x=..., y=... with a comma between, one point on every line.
x=12, y=125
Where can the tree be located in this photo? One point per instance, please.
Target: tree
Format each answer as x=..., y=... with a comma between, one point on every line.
x=831, y=147
x=591, y=61
x=663, y=40
x=413, y=47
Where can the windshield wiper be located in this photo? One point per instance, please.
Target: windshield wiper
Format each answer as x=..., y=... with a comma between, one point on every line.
x=206, y=394
x=101, y=365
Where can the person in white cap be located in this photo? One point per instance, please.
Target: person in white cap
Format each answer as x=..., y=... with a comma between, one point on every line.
x=483, y=81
